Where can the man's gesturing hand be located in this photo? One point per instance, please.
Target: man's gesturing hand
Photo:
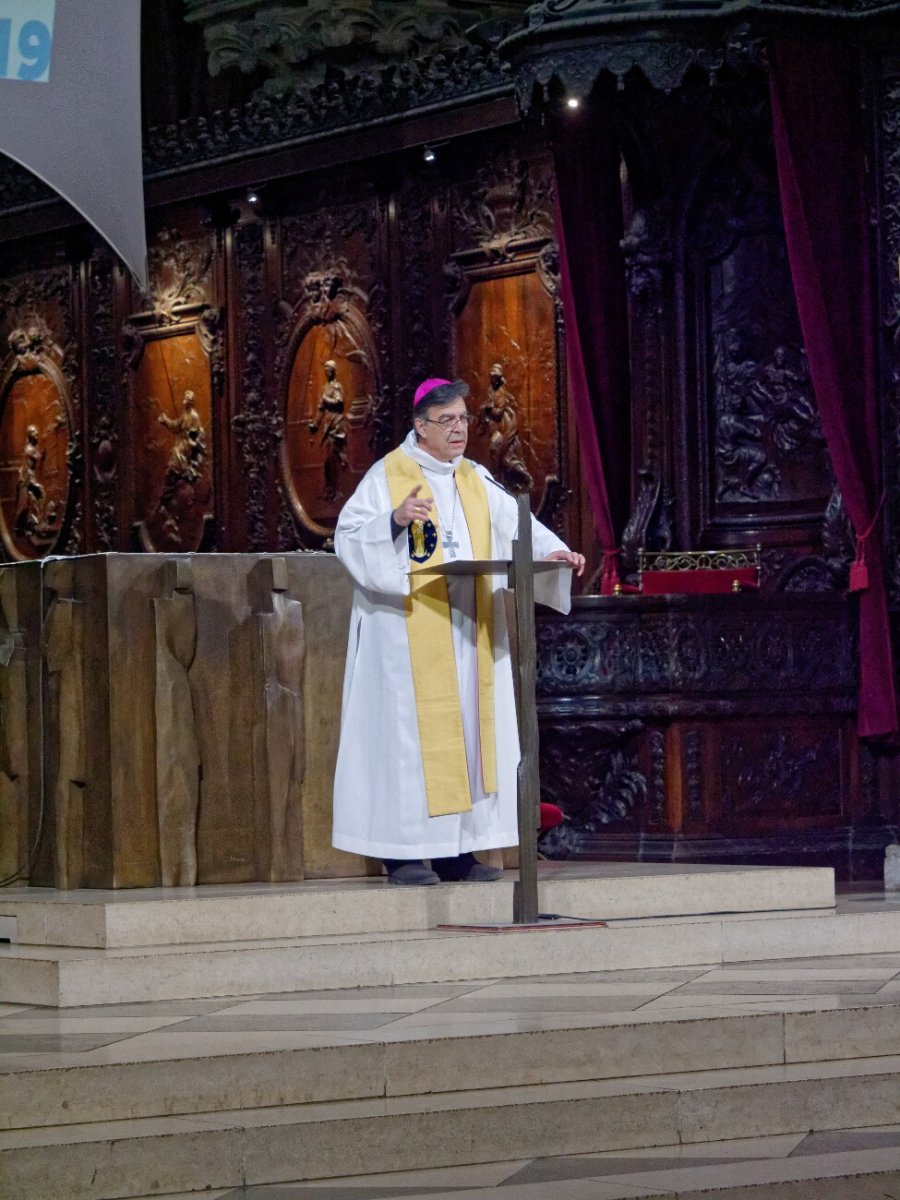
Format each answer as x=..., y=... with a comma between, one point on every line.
x=576, y=561
x=413, y=509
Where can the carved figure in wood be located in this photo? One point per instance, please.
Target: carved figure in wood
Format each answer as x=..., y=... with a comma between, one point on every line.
x=278, y=736
x=744, y=469
x=185, y=466
x=330, y=423
x=177, y=749
x=64, y=658
x=783, y=393
x=766, y=417
x=29, y=343
x=36, y=514
x=499, y=416
x=790, y=767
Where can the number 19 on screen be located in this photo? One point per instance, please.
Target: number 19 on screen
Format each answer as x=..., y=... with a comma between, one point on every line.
x=26, y=39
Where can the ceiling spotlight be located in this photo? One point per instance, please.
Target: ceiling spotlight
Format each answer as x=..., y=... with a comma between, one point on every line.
x=252, y=197
x=429, y=155
x=573, y=102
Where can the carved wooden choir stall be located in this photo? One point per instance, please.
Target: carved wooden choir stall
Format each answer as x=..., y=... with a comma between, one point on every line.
x=331, y=220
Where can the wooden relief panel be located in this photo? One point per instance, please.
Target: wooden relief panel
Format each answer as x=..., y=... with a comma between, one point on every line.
x=172, y=429
x=596, y=773
x=175, y=355
x=767, y=442
x=329, y=405
x=504, y=321
x=764, y=457
x=36, y=437
x=504, y=342
x=768, y=776
x=329, y=347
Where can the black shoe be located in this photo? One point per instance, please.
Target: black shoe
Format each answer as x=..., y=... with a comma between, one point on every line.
x=465, y=868
x=409, y=874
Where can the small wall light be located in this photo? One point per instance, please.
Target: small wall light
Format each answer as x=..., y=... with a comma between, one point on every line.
x=573, y=102
x=252, y=197
x=429, y=155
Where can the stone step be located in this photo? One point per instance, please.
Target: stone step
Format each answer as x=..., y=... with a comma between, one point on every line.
x=848, y=1175
x=125, y=1085
x=155, y=1156
x=333, y=908
x=64, y=977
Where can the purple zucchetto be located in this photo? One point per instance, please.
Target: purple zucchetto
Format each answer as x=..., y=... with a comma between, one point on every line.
x=446, y=390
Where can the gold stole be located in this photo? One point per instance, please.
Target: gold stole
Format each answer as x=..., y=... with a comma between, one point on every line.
x=431, y=647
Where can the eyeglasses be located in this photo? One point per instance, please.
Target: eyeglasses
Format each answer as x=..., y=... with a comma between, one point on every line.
x=448, y=422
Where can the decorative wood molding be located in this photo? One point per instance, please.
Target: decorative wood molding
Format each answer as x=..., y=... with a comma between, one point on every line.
x=103, y=429
x=257, y=426
x=299, y=46
x=689, y=655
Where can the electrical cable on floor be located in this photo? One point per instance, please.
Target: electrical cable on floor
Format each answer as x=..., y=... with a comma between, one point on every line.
x=25, y=870
x=563, y=917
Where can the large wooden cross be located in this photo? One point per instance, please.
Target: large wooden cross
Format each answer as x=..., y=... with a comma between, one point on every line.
x=521, y=580
x=520, y=572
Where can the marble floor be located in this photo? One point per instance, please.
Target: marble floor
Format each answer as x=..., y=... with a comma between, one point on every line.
x=36, y=1038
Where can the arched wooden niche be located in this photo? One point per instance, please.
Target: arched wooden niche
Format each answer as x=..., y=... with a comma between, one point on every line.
x=505, y=344
x=36, y=438
x=171, y=393
x=330, y=402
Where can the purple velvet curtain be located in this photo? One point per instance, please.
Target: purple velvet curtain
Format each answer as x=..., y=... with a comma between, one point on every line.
x=589, y=230
x=821, y=172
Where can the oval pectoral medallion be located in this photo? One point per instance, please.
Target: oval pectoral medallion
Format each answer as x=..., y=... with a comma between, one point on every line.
x=422, y=537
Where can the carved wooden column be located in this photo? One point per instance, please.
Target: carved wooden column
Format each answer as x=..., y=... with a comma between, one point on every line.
x=647, y=251
x=888, y=207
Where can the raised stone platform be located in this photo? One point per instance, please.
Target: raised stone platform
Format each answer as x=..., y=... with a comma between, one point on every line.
x=99, y=947
x=607, y=891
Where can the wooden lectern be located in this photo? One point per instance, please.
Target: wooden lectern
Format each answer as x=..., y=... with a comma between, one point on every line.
x=520, y=571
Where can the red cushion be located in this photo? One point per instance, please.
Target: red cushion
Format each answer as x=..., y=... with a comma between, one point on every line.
x=701, y=582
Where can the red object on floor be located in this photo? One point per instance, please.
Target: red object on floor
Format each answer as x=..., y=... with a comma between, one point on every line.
x=551, y=816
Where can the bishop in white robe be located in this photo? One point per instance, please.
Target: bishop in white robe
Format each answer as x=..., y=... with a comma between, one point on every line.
x=383, y=804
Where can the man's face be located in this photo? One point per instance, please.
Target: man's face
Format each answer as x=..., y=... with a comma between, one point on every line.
x=445, y=431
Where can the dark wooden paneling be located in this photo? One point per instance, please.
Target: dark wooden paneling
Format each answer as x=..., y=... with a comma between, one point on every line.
x=714, y=728
x=669, y=727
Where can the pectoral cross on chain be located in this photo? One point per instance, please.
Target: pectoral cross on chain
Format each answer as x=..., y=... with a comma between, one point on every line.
x=449, y=544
